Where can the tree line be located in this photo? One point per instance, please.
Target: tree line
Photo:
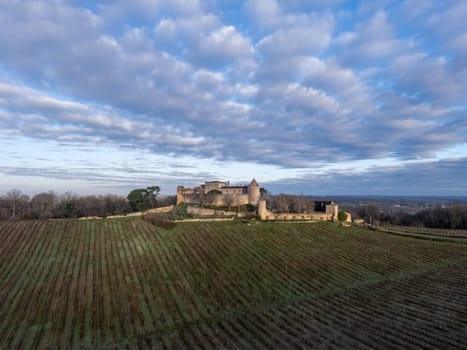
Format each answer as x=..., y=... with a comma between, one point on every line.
x=289, y=203
x=47, y=205
x=454, y=218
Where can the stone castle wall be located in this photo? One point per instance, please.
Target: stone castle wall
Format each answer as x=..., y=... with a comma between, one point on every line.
x=220, y=200
x=198, y=211
x=231, y=195
x=329, y=215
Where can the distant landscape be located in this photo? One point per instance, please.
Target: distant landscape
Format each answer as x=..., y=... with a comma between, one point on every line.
x=435, y=212
x=432, y=212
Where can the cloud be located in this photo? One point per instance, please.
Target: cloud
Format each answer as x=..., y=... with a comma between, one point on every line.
x=221, y=47
x=180, y=33
x=414, y=9
x=449, y=19
x=372, y=40
x=299, y=35
x=305, y=83
x=146, y=10
x=98, y=179
x=266, y=13
x=36, y=115
x=414, y=179
x=204, y=41
x=448, y=25
x=428, y=78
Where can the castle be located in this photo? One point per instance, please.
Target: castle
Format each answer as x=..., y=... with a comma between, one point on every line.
x=220, y=193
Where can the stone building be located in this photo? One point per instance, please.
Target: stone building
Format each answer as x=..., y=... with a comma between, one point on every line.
x=220, y=193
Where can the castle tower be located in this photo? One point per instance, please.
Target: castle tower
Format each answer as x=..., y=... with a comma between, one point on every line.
x=253, y=193
x=180, y=196
x=262, y=209
x=332, y=210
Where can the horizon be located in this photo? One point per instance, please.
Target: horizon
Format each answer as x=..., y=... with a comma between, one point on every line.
x=344, y=96
x=311, y=195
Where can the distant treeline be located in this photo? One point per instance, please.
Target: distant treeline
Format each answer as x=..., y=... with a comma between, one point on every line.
x=16, y=205
x=454, y=217
x=287, y=203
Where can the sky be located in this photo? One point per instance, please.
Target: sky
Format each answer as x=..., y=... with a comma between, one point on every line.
x=310, y=97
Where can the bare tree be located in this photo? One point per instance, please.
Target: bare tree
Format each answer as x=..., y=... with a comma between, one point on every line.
x=42, y=204
x=116, y=205
x=5, y=211
x=287, y=203
x=67, y=206
x=17, y=202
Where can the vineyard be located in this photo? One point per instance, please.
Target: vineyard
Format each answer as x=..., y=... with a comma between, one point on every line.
x=124, y=283
x=427, y=231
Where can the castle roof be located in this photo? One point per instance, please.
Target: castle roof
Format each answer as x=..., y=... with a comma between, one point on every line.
x=254, y=183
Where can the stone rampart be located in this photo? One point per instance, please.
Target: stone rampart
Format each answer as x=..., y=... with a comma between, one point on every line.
x=205, y=219
x=166, y=209
x=220, y=200
x=227, y=195
x=328, y=215
x=198, y=211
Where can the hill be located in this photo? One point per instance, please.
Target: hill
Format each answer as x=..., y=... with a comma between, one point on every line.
x=125, y=283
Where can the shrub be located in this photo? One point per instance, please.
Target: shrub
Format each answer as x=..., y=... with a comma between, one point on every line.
x=159, y=220
x=342, y=215
x=180, y=211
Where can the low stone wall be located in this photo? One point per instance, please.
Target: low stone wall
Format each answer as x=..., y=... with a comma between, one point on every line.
x=297, y=216
x=89, y=218
x=209, y=212
x=129, y=215
x=349, y=217
x=166, y=209
x=204, y=219
x=162, y=210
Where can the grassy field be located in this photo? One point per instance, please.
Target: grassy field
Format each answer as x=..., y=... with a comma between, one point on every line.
x=426, y=231
x=126, y=284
